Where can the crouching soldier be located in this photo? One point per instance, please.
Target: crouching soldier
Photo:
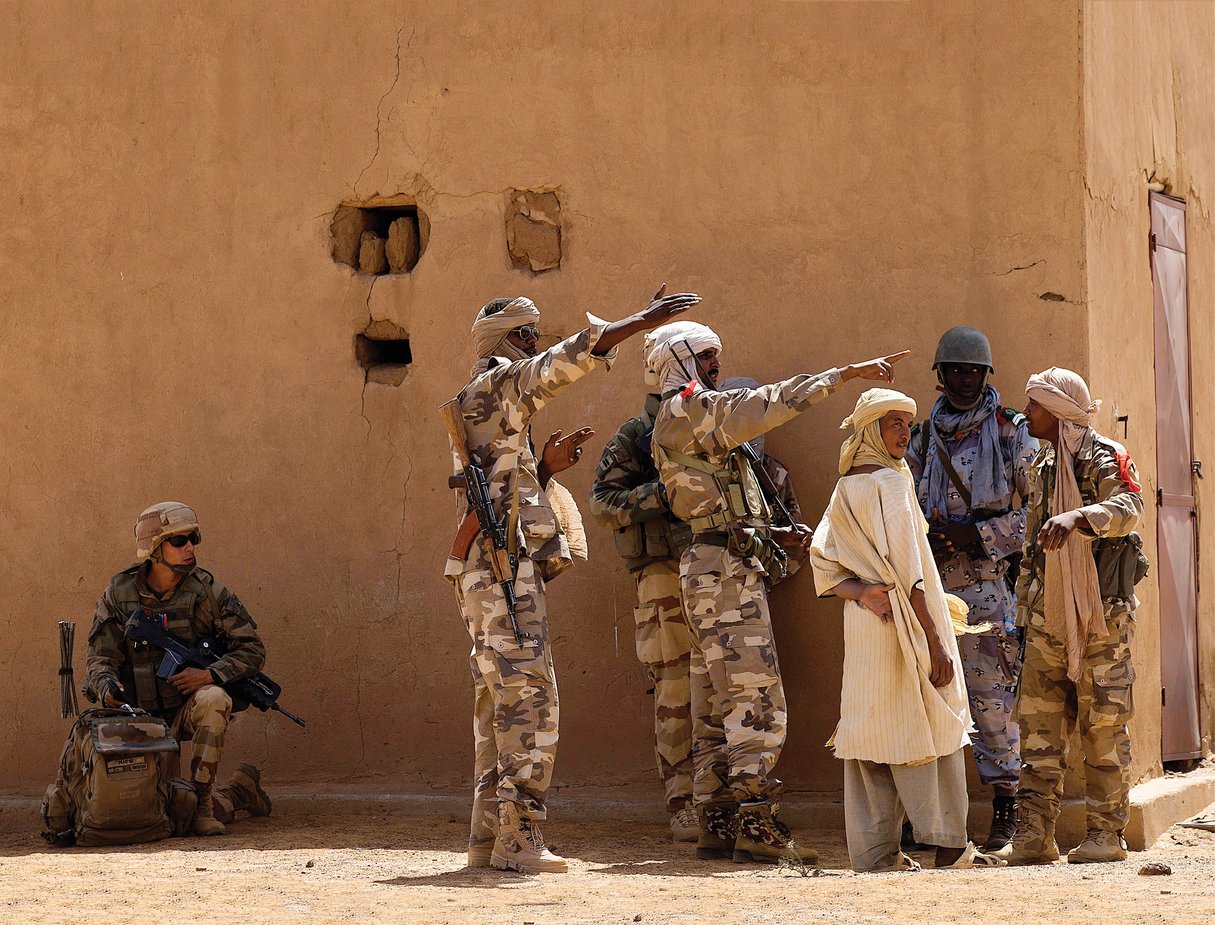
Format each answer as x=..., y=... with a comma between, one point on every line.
x=190, y=604
x=1076, y=602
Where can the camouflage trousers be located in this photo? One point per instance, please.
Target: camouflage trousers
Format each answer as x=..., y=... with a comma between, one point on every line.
x=1100, y=704
x=515, y=707
x=203, y=719
x=991, y=664
x=664, y=647
x=738, y=704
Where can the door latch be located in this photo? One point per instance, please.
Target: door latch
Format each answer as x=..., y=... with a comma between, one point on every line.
x=1196, y=467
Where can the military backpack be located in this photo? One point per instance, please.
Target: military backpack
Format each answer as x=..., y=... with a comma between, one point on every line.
x=113, y=786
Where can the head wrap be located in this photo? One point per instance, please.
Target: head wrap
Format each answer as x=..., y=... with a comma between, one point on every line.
x=1073, y=593
x=745, y=382
x=666, y=355
x=865, y=446
x=988, y=479
x=489, y=331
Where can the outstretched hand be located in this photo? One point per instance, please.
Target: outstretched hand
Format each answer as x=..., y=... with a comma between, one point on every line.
x=881, y=369
x=663, y=307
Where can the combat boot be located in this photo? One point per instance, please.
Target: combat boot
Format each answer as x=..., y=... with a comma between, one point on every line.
x=718, y=830
x=1003, y=823
x=520, y=846
x=1033, y=841
x=684, y=825
x=1098, y=847
x=205, y=822
x=763, y=838
x=245, y=789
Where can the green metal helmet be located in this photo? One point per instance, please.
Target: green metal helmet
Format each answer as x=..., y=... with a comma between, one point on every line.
x=159, y=522
x=963, y=345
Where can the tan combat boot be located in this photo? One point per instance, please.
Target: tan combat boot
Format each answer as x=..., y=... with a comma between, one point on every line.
x=718, y=824
x=684, y=825
x=1033, y=841
x=246, y=788
x=205, y=822
x=520, y=846
x=1098, y=847
x=763, y=838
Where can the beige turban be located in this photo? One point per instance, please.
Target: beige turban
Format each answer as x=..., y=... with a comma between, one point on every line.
x=667, y=357
x=865, y=446
x=489, y=331
x=1073, y=593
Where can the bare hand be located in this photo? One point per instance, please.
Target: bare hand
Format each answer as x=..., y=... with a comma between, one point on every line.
x=942, y=665
x=560, y=453
x=665, y=307
x=947, y=538
x=877, y=599
x=1054, y=532
x=799, y=536
x=190, y=680
x=881, y=369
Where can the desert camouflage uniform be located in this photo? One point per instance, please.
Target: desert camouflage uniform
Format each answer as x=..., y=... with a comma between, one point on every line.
x=738, y=704
x=1048, y=703
x=199, y=606
x=515, y=714
x=991, y=661
x=628, y=497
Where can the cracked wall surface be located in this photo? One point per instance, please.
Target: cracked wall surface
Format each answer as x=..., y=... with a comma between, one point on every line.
x=830, y=204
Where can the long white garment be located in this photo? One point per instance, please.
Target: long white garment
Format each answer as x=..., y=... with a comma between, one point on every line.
x=889, y=711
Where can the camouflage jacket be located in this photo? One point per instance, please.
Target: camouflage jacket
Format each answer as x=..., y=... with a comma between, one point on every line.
x=1109, y=486
x=498, y=405
x=199, y=606
x=1001, y=535
x=707, y=425
x=628, y=496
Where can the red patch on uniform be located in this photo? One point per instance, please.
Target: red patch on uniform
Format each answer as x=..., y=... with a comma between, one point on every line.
x=1125, y=473
x=688, y=389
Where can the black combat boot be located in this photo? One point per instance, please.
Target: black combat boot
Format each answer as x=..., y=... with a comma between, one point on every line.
x=1003, y=822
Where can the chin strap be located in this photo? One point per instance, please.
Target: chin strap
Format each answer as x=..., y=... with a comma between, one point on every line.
x=182, y=570
x=956, y=402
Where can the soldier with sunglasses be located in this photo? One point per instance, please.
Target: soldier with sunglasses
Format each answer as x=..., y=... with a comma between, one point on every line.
x=191, y=604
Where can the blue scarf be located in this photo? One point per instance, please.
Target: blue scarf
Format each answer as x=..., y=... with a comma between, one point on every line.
x=988, y=480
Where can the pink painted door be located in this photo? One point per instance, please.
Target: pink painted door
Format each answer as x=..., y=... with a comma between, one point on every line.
x=1176, y=515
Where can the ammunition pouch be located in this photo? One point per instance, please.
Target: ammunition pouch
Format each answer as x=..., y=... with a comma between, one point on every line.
x=1121, y=565
x=747, y=541
x=736, y=485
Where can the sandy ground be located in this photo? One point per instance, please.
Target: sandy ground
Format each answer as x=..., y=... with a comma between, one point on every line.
x=384, y=866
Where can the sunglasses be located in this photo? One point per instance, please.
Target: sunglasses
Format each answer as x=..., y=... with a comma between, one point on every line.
x=177, y=542
x=528, y=332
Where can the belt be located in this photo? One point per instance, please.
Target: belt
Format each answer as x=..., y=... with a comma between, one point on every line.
x=712, y=538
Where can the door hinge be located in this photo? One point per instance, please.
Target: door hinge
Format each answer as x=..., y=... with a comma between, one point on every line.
x=1152, y=241
x=1196, y=467
x=1163, y=698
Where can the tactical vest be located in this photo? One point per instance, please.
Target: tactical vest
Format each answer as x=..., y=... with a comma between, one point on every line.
x=656, y=539
x=137, y=674
x=737, y=486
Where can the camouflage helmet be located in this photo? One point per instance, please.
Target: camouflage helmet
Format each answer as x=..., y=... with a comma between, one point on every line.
x=963, y=345
x=160, y=521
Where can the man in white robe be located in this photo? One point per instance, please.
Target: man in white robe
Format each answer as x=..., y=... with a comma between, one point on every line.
x=904, y=717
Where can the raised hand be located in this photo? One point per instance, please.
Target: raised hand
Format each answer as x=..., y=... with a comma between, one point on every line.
x=560, y=452
x=663, y=307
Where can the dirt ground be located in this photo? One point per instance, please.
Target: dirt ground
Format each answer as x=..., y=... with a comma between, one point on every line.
x=385, y=866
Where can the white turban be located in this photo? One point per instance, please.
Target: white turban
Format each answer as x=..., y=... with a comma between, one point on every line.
x=865, y=446
x=664, y=352
x=489, y=331
x=1073, y=593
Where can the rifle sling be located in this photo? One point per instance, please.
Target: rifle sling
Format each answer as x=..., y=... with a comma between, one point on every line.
x=943, y=455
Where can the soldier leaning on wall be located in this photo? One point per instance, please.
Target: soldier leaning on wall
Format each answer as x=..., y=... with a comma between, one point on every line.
x=516, y=709
x=168, y=582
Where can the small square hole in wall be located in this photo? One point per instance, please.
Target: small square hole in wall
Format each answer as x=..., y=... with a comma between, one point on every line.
x=382, y=350
x=379, y=236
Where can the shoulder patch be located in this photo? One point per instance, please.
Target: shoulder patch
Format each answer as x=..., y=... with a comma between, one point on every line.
x=916, y=428
x=1013, y=416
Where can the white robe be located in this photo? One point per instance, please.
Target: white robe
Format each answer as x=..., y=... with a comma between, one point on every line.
x=889, y=711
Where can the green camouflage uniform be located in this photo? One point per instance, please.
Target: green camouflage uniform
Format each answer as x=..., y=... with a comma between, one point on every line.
x=628, y=497
x=1048, y=703
x=738, y=704
x=199, y=606
x=515, y=691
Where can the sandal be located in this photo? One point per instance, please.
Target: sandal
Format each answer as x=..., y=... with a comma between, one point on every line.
x=972, y=857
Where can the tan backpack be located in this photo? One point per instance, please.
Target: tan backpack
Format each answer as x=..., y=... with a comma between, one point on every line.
x=113, y=786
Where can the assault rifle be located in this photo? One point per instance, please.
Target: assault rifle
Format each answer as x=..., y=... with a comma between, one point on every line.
x=258, y=690
x=483, y=516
